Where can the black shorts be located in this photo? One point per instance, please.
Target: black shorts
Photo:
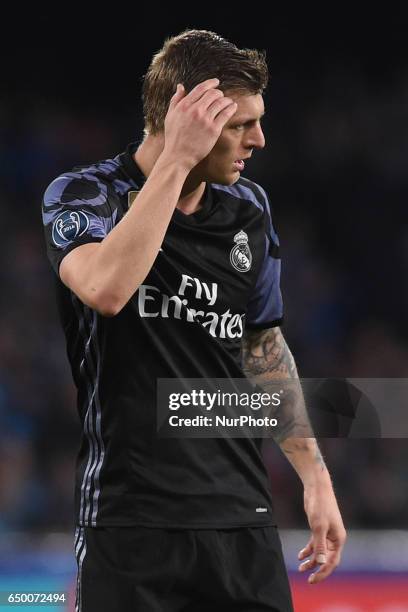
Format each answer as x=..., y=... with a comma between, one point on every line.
x=140, y=569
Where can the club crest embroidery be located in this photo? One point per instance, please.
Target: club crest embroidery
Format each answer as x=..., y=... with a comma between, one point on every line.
x=241, y=256
x=68, y=226
x=132, y=195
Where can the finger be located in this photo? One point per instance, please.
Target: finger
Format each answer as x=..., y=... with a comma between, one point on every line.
x=225, y=115
x=310, y=564
x=325, y=570
x=219, y=105
x=319, y=545
x=316, y=548
x=208, y=99
x=306, y=565
x=200, y=89
x=177, y=96
x=307, y=550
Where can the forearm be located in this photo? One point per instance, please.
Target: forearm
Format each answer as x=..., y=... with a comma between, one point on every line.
x=305, y=457
x=124, y=258
x=267, y=360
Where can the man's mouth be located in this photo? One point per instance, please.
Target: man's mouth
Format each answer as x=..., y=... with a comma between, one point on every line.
x=239, y=165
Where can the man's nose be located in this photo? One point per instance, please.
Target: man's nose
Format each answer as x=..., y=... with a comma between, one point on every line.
x=256, y=138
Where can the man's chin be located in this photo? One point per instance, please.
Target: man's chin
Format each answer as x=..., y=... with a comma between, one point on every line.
x=227, y=179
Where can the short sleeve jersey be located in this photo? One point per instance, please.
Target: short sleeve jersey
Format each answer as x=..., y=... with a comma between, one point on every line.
x=217, y=272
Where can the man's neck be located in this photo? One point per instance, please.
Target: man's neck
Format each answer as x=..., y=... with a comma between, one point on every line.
x=193, y=189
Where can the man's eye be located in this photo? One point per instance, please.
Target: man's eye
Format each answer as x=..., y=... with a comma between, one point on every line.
x=238, y=127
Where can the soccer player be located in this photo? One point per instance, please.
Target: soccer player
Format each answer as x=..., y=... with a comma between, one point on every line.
x=167, y=266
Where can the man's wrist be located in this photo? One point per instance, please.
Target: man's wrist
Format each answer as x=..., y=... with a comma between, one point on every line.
x=316, y=477
x=177, y=162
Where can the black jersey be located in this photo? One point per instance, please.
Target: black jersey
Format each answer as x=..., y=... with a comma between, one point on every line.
x=217, y=271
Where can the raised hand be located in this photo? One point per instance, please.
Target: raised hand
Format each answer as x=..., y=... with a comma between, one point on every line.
x=194, y=121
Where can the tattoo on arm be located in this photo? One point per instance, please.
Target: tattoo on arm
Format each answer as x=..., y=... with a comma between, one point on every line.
x=293, y=446
x=267, y=359
x=265, y=353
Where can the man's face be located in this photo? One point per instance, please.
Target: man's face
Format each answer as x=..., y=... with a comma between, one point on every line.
x=239, y=137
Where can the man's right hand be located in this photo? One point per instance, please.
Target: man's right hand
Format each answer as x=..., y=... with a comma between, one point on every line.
x=194, y=122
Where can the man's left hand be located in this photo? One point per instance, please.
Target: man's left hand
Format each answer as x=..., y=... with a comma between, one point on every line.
x=328, y=536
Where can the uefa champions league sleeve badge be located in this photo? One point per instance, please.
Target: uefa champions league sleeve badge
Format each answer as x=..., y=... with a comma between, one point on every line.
x=68, y=226
x=241, y=256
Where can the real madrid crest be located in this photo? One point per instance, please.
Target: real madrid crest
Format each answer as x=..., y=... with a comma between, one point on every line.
x=241, y=256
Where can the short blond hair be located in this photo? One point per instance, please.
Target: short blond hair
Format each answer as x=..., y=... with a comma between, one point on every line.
x=192, y=57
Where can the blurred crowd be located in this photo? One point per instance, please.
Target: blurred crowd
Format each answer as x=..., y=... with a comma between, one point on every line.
x=335, y=170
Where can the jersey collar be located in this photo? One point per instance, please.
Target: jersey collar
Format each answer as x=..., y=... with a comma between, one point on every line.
x=134, y=172
x=130, y=166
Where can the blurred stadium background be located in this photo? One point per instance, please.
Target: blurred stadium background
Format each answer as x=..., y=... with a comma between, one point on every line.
x=335, y=167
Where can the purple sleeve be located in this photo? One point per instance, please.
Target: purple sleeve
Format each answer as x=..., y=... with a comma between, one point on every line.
x=75, y=211
x=265, y=308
